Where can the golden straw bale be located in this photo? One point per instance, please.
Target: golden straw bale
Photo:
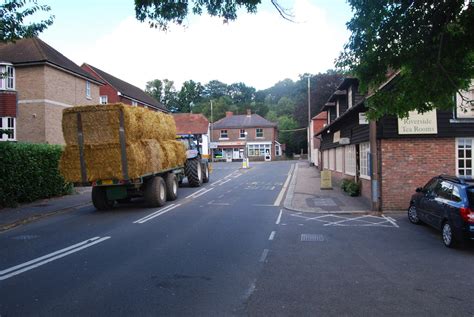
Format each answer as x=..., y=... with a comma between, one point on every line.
x=100, y=124
x=154, y=155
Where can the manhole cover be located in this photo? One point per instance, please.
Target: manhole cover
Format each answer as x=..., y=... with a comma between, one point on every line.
x=324, y=202
x=26, y=237
x=312, y=237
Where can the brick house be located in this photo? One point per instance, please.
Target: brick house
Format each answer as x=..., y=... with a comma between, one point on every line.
x=404, y=153
x=318, y=122
x=116, y=90
x=197, y=125
x=39, y=83
x=240, y=135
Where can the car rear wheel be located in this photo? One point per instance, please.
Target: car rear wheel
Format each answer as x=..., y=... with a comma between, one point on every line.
x=413, y=215
x=447, y=235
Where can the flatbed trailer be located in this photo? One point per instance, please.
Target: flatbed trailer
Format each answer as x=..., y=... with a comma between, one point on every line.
x=155, y=187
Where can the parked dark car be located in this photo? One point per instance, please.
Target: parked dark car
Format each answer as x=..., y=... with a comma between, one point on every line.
x=447, y=204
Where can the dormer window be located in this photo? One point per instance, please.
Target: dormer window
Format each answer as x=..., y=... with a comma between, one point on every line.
x=7, y=77
x=349, y=97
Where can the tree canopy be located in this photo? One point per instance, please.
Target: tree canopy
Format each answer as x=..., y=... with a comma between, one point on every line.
x=160, y=13
x=13, y=14
x=431, y=44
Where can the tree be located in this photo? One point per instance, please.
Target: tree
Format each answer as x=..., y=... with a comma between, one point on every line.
x=155, y=89
x=190, y=94
x=13, y=14
x=431, y=44
x=159, y=13
x=164, y=92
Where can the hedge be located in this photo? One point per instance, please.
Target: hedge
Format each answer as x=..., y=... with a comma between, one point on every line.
x=29, y=172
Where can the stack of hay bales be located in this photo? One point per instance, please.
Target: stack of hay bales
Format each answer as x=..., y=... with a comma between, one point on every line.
x=150, y=136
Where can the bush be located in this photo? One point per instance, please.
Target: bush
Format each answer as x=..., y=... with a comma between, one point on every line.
x=350, y=187
x=29, y=172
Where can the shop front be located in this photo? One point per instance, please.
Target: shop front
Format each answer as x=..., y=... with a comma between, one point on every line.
x=230, y=151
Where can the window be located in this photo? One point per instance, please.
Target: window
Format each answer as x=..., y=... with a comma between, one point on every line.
x=325, y=159
x=259, y=133
x=350, y=159
x=332, y=159
x=242, y=134
x=258, y=149
x=337, y=108
x=364, y=151
x=464, y=157
x=103, y=100
x=134, y=103
x=465, y=110
x=349, y=97
x=444, y=190
x=88, y=90
x=8, y=124
x=456, y=196
x=224, y=134
x=7, y=77
x=339, y=155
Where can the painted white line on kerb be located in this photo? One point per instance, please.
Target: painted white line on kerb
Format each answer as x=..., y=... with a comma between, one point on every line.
x=285, y=186
x=279, y=217
x=156, y=214
x=204, y=192
x=391, y=220
x=264, y=255
x=272, y=236
x=21, y=268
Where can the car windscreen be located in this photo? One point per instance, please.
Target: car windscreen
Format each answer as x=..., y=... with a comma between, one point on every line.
x=470, y=195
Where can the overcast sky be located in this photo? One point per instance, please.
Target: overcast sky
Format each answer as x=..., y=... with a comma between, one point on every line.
x=257, y=49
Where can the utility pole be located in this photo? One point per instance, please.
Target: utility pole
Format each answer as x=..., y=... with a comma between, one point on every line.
x=309, y=120
x=210, y=137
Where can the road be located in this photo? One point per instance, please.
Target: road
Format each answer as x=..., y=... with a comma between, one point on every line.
x=226, y=249
x=200, y=255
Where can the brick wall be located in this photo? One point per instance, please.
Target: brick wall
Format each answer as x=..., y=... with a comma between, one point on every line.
x=7, y=103
x=234, y=134
x=43, y=93
x=410, y=163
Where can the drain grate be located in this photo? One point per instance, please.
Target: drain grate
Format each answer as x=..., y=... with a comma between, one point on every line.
x=312, y=237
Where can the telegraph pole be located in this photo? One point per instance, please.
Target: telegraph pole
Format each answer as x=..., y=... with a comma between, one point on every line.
x=309, y=120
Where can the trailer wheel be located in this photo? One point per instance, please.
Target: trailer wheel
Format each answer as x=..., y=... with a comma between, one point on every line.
x=193, y=171
x=155, y=192
x=99, y=198
x=205, y=174
x=171, y=186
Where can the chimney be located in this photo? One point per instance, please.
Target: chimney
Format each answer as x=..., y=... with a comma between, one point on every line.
x=249, y=112
x=228, y=114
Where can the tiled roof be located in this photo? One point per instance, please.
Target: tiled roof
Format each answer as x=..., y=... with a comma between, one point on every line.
x=190, y=123
x=243, y=121
x=32, y=51
x=127, y=89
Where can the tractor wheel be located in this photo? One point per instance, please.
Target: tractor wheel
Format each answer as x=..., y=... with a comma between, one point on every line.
x=205, y=174
x=193, y=171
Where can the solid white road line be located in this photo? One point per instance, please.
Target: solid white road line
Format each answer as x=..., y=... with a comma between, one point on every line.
x=204, y=192
x=157, y=213
x=264, y=255
x=21, y=268
x=196, y=192
x=285, y=186
x=272, y=236
x=226, y=181
x=279, y=217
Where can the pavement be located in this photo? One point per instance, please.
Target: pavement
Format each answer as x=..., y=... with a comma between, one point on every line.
x=303, y=195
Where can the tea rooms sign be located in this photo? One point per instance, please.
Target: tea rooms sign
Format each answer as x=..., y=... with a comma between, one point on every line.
x=419, y=123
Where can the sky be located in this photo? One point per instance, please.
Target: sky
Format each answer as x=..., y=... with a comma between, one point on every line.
x=257, y=49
